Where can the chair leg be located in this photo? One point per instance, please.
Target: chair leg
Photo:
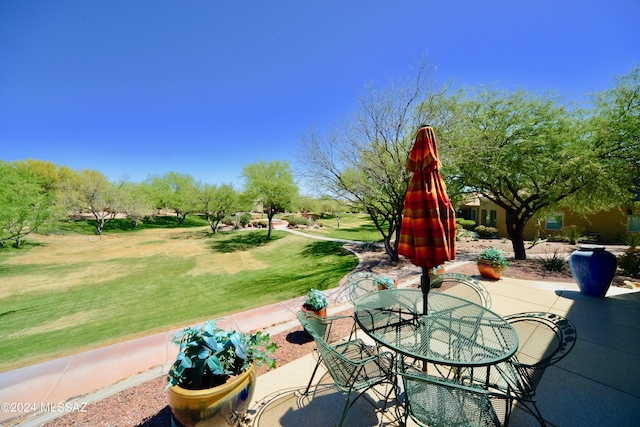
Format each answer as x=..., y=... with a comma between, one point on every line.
x=313, y=375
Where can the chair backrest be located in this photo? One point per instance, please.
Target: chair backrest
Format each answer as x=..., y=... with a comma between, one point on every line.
x=351, y=364
x=438, y=402
x=463, y=286
x=315, y=325
x=544, y=339
x=361, y=283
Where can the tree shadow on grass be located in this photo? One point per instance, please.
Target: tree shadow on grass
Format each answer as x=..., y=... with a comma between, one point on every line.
x=243, y=242
x=325, y=248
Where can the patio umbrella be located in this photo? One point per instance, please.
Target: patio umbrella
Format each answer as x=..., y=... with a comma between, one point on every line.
x=428, y=231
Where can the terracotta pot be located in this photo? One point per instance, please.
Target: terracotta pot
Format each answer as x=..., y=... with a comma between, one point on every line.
x=486, y=270
x=321, y=313
x=319, y=327
x=223, y=405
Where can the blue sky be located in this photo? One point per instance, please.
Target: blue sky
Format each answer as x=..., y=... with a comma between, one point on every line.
x=133, y=88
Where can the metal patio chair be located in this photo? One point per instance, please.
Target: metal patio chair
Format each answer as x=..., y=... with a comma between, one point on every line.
x=361, y=283
x=439, y=402
x=544, y=339
x=354, y=366
x=464, y=287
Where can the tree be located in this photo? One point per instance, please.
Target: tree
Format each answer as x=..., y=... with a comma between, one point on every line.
x=364, y=162
x=615, y=131
x=135, y=202
x=25, y=204
x=92, y=190
x=217, y=203
x=272, y=184
x=523, y=151
x=175, y=191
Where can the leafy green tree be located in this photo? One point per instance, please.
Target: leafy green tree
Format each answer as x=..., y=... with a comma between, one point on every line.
x=175, y=191
x=523, y=151
x=135, y=202
x=364, y=162
x=92, y=191
x=272, y=185
x=615, y=132
x=218, y=202
x=25, y=203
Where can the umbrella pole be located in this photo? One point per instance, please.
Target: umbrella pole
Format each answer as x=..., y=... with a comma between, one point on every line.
x=425, y=285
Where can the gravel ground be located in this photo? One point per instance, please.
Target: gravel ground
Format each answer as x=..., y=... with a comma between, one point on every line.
x=146, y=404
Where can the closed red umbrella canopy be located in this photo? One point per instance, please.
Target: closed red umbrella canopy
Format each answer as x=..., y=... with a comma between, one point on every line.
x=428, y=232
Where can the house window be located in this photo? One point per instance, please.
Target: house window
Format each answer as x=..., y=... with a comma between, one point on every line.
x=633, y=225
x=489, y=218
x=554, y=221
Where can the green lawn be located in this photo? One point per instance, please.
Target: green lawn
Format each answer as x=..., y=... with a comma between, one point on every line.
x=65, y=293
x=352, y=227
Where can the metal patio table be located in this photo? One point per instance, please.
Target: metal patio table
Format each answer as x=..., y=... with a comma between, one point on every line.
x=454, y=332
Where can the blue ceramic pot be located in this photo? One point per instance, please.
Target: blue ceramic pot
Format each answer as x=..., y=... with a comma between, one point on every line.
x=593, y=269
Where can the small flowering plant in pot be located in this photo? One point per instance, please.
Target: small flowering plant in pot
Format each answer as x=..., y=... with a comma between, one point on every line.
x=491, y=263
x=316, y=302
x=213, y=378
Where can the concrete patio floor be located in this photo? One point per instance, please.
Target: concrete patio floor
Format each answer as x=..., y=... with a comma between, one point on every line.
x=595, y=385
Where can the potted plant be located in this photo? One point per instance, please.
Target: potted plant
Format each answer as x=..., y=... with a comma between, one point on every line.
x=491, y=263
x=316, y=302
x=213, y=378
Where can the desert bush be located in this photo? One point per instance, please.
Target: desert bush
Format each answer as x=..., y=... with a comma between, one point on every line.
x=467, y=224
x=485, y=232
x=295, y=220
x=464, y=234
x=572, y=235
x=629, y=262
x=368, y=247
x=245, y=219
x=630, y=239
x=553, y=262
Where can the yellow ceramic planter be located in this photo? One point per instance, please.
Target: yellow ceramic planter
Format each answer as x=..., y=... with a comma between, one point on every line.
x=218, y=406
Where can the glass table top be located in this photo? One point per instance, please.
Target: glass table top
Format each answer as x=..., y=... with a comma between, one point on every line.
x=453, y=332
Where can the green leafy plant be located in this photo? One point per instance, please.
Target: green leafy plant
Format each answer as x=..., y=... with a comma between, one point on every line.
x=630, y=239
x=572, y=235
x=495, y=257
x=315, y=301
x=467, y=224
x=629, y=262
x=209, y=355
x=296, y=220
x=245, y=219
x=553, y=262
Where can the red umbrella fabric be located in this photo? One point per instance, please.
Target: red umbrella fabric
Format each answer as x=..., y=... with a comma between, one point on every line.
x=428, y=232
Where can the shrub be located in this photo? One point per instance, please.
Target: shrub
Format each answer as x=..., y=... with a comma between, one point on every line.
x=295, y=220
x=467, y=224
x=466, y=234
x=629, y=262
x=572, y=235
x=245, y=219
x=553, y=262
x=485, y=232
x=368, y=247
x=630, y=239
